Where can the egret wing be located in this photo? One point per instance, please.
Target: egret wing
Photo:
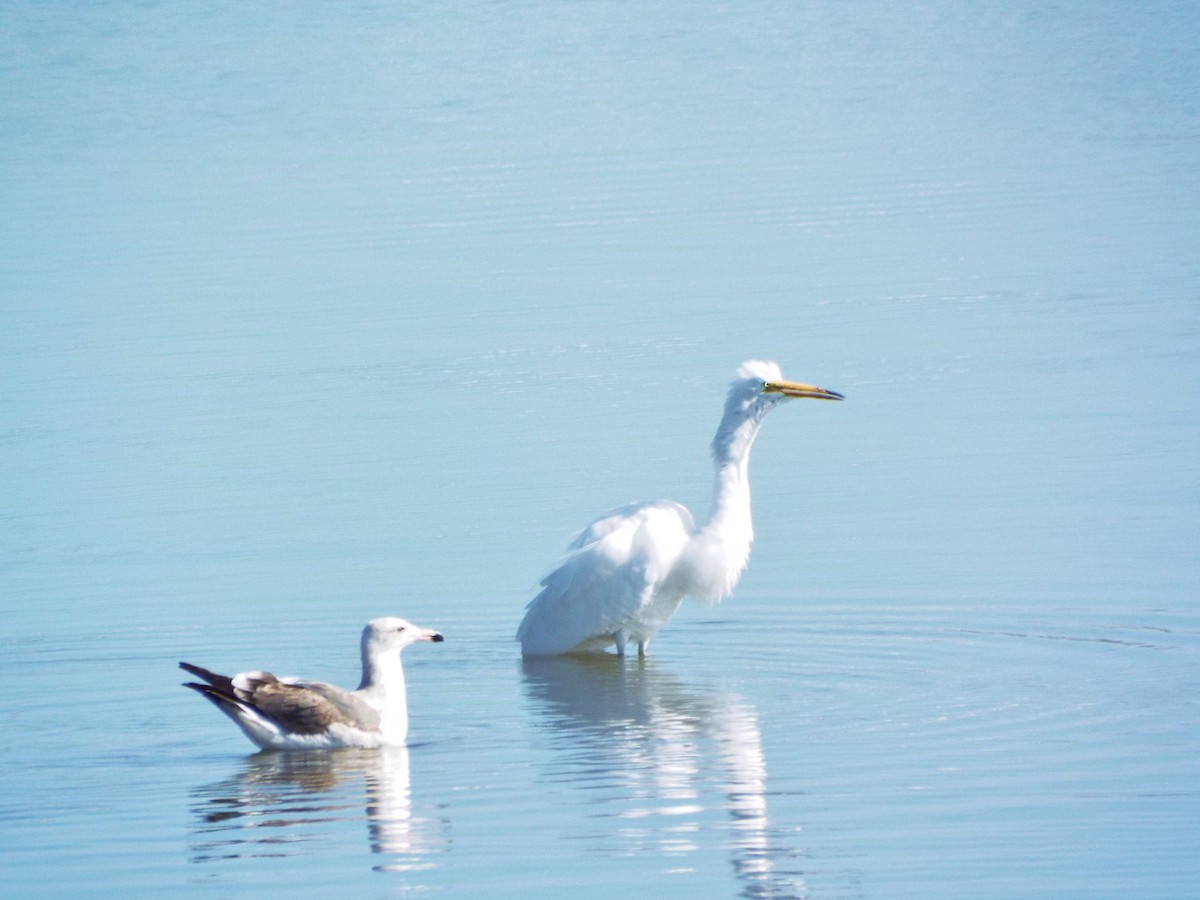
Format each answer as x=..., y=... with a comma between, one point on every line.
x=613, y=569
x=633, y=514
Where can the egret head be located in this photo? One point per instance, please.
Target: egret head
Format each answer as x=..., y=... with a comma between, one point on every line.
x=760, y=383
x=390, y=633
x=758, y=387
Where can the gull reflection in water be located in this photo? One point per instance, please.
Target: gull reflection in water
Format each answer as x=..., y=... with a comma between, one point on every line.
x=282, y=804
x=669, y=756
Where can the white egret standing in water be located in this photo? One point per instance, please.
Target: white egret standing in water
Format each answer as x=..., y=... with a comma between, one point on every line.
x=626, y=574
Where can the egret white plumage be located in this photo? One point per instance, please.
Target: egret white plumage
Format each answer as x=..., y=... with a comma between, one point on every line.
x=625, y=575
x=293, y=714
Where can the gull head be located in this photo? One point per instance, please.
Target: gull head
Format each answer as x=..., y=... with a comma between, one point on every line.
x=390, y=633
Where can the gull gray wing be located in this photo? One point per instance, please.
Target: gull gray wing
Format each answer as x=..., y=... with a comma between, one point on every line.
x=352, y=709
x=299, y=707
x=222, y=683
x=307, y=707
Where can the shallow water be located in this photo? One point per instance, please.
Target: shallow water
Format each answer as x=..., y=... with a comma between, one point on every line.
x=313, y=315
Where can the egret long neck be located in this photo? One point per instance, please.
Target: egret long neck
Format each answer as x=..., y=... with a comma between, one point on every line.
x=731, y=485
x=717, y=555
x=731, y=501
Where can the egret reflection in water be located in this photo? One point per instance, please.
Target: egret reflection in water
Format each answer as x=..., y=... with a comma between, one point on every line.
x=671, y=758
x=289, y=804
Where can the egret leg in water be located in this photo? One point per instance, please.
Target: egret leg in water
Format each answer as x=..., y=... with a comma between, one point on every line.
x=623, y=577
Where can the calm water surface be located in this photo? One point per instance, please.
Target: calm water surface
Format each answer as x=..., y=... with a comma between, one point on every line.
x=312, y=315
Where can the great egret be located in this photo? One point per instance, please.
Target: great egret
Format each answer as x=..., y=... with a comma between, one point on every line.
x=292, y=714
x=625, y=575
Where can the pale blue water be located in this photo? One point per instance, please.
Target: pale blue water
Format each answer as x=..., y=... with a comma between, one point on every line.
x=316, y=313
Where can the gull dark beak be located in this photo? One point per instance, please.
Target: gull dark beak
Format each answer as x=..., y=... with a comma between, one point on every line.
x=436, y=638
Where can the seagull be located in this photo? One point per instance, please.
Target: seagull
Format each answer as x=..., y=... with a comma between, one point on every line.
x=625, y=575
x=293, y=714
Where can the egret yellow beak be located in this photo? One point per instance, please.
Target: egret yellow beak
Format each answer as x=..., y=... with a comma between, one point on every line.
x=795, y=389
